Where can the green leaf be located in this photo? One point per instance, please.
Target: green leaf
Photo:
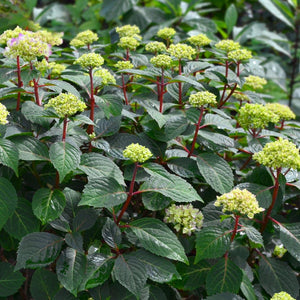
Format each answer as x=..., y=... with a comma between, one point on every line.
x=44, y=285
x=224, y=276
x=30, y=4
x=190, y=80
x=38, y=249
x=96, y=165
x=130, y=273
x=8, y=200
x=103, y=192
x=113, y=9
x=247, y=288
x=9, y=155
x=211, y=242
x=75, y=241
x=156, y=237
x=111, y=233
x=22, y=221
x=215, y=140
x=276, y=276
x=10, y=281
x=154, y=113
x=231, y=17
x=64, y=85
x=184, y=167
x=223, y=296
x=84, y=219
x=101, y=275
x=216, y=120
x=47, y=205
x=216, y=171
x=34, y=113
x=155, y=201
x=254, y=235
x=65, y=158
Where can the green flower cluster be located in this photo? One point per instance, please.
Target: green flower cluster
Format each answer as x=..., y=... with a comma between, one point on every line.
x=228, y=45
x=129, y=30
x=279, y=154
x=106, y=76
x=56, y=69
x=10, y=34
x=128, y=42
x=256, y=116
x=202, y=98
x=239, y=202
x=199, y=40
x=84, y=38
x=255, y=82
x=3, y=114
x=186, y=218
x=155, y=47
x=240, y=54
x=52, y=38
x=166, y=33
x=137, y=153
x=124, y=64
x=43, y=66
x=283, y=111
x=161, y=61
x=66, y=104
x=181, y=51
x=279, y=251
x=241, y=96
x=282, y=296
x=90, y=60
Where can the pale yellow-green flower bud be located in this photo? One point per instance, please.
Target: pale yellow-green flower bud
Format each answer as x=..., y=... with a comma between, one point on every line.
x=240, y=54
x=56, y=69
x=124, y=64
x=181, y=51
x=128, y=30
x=241, y=96
x=66, y=105
x=186, y=218
x=10, y=34
x=283, y=111
x=42, y=66
x=282, y=296
x=106, y=76
x=255, y=82
x=161, y=61
x=228, y=45
x=84, y=38
x=3, y=114
x=52, y=38
x=156, y=47
x=199, y=40
x=137, y=153
x=202, y=98
x=240, y=202
x=90, y=60
x=166, y=33
x=279, y=251
x=279, y=154
x=128, y=42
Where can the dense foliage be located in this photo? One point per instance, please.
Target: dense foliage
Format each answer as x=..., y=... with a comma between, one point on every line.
x=146, y=161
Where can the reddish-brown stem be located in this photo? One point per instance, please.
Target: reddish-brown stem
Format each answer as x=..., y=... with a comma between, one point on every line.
x=20, y=83
x=179, y=84
x=196, y=131
x=124, y=90
x=129, y=195
x=236, y=224
x=65, y=125
x=36, y=92
x=56, y=185
x=246, y=163
x=161, y=91
x=127, y=54
x=90, y=128
x=276, y=222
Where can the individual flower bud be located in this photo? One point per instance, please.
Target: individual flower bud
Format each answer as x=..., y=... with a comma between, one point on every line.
x=128, y=30
x=52, y=38
x=256, y=116
x=124, y=64
x=202, y=98
x=228, y=45
x=156, y=47
x=161, y=61
x=106, y=76
x=166, y=33
x=181, y=51
x=90, y=60
x=137, y=153
x=283, y=111
x=42, y=66
x=240, y=202
x=282, y=296
x=3, y=114
x=199, y=40
x=240, y=54
x=128, y=42
x=56, y=69
x=66, y=104
x=185, y=218
x=255, y=82
x=84, y=38
x=279, y=251
x=10, y=34
x=279, y=154
x=241, y=96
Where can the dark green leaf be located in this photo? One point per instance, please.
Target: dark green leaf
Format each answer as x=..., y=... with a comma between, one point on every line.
x=113, y=9
x=223, y=296
x=247, y=288
x=231, y=16
x=111, y=233
x=34, y=113
x=156, y=293
x=84, y=219
x=75, y=241
x=216, y=139
x=9, y=155
x=155, y=201
x=254, y=235
x=108, y=127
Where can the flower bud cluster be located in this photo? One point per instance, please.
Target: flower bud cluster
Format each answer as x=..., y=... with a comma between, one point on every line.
x=161, y=61
x=3, y=114
x=239, y=202
x=106, y=76
x=10, y=34
x=241, y=96
x=186, y=218
x=166, y=33
x=279, y=154
x=137, y=153
x=255, y=82
x=128, y=42
x=199, y=40
x=43, y=66
x=84, y=38
x=240, y=54
x=128, y=30
x=279, y=251
x=256, y=116
x=52, y=38
x=282, y=296
x=228, y=45
x=124, y=64
x=90, y=60
x=156, y=47
x=283, y=111
x=66, y=104
x=181, y=51
x=202, y=98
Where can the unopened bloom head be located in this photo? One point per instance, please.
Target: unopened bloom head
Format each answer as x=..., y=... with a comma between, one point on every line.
x=137, y=153
x=239, y=54
x=279, y=251
x=128, y=42
x=241, y=96
x=90, y=60
x=161, y=61
x=279, y=154
x=166, y=33
x=283, y=111
x=240, y=202
x=124, y=64
x=84, y=38
x=199, y=40
x=256, y=116
x=181, y=51
x=56, y=69
x=128, y=30
x=255, y=82
x=10, y=34
x=106, y=76
x=156, y=47
x=52, y=38
x=3, y=114
x=282, y=296
x=66, y=104
x=202, y=98
x=228, y=45
x=186, y=218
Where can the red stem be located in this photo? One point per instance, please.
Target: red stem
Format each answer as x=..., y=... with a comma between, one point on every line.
x=124, y=90
x=90, y=128
x=235, y=228
x=196, y=132
x=127, y=54
x=161, y=91
x=20, y=83
x=65, y=128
